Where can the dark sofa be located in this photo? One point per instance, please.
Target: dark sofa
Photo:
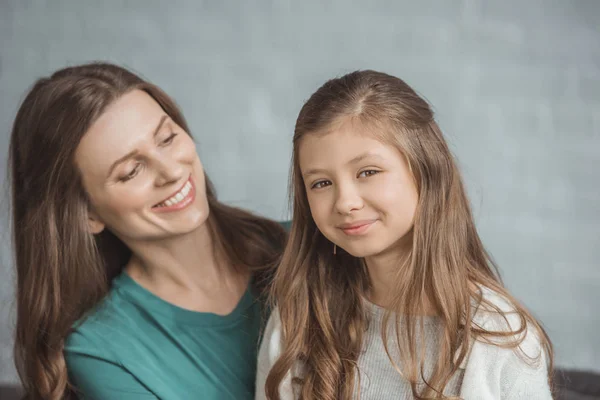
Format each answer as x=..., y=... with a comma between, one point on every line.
x=569, y=385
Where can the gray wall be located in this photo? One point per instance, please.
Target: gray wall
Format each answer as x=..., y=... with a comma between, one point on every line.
x=516, y=84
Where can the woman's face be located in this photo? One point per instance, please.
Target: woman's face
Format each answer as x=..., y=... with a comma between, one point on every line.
x=141, y=172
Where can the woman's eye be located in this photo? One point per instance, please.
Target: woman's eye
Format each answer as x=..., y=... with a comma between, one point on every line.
x=131, y=174
x=169, y=139
x=368, y=172
x=320, y=184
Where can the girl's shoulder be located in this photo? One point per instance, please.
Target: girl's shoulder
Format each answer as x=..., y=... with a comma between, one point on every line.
x=269, y=352
x=271, y=340
x=494, y=311
x=508, y=331
x=509, y=358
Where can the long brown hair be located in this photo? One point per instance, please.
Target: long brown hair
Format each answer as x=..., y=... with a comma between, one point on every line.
x=62, y=270
x=319, y=295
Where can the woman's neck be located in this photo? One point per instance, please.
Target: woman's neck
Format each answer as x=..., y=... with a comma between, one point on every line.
x=189, y=271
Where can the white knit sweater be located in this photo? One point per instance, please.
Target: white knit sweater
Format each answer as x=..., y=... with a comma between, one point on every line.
x=490, y=371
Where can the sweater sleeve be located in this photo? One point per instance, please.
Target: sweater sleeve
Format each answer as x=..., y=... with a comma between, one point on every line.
x=525, y=374
x=494, y=372
x=495, y=368
x=269, y=352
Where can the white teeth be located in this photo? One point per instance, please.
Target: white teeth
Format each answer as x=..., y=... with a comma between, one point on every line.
x=177, y=197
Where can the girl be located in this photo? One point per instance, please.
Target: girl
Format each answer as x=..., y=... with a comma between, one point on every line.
x=134, y=281
x=385, y=289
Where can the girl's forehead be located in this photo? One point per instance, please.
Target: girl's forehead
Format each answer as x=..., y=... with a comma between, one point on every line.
x=370, y=127
x=343, y=147
x=347, y=134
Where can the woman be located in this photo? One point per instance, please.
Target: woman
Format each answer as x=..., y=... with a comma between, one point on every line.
x=385, y=290
x=134, y=281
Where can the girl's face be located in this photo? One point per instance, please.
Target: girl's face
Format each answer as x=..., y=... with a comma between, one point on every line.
x=141, y=172
x=361, y=192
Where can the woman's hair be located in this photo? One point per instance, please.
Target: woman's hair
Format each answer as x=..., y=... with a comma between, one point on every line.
x=320, y=295
x=63, y=271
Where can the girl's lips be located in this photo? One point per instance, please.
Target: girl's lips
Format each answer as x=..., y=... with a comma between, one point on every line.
x=187, y=200
x=357, y=228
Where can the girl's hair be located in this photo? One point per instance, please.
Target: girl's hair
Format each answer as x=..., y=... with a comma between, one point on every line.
x=320, y=295
x=63, y=271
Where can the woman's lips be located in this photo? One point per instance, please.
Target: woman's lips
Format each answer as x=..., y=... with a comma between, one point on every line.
x=180, y=204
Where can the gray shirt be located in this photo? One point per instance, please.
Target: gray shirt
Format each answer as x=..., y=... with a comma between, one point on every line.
x=490, y=372
x=379, y=379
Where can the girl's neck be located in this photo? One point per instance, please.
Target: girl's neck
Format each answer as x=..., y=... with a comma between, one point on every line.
x=386, y=273
x=384, y=270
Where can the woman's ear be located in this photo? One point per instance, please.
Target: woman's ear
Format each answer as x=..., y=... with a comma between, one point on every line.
x=95, y=225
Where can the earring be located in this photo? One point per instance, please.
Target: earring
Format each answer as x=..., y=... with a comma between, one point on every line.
x=334, y=249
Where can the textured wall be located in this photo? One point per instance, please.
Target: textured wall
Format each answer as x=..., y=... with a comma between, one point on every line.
x=516, y=85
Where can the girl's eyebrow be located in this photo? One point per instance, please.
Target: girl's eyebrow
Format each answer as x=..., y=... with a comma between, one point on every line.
x=357, y=159
x=314, y=171
x=365, y=155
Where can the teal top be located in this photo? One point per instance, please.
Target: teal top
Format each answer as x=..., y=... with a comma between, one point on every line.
x=138, y=346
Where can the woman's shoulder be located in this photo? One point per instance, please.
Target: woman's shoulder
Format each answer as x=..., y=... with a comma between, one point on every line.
x=287, y=225
x=111, y=319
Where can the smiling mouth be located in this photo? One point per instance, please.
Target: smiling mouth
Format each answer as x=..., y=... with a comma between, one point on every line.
x=357, y=228
x=177, y=198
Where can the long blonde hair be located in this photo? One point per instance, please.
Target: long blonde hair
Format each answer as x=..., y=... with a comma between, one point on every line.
x=319, y=295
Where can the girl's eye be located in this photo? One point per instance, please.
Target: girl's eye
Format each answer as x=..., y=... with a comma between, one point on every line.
x=131, y=174
x=320, y=184
x=169, y=139
x=368, y=172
